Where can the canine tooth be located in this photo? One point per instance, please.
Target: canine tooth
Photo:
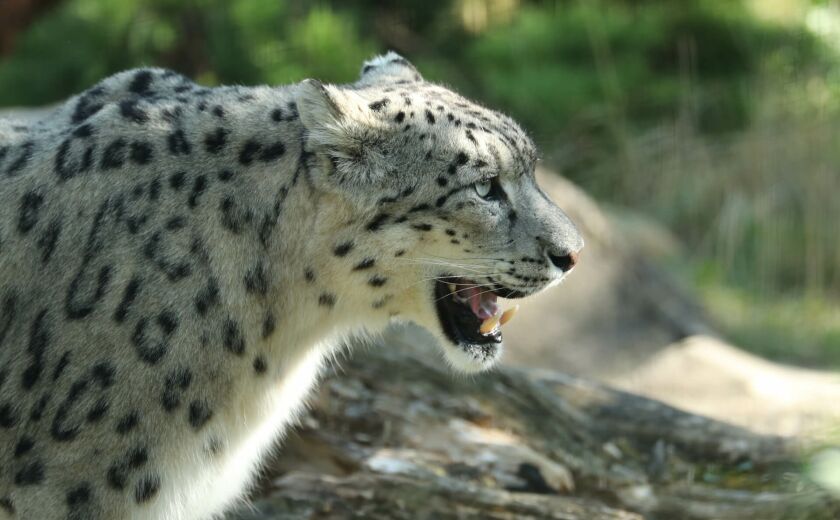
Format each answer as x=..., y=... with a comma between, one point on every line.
x=489, y=324
x=508, y=315
x=452, y=288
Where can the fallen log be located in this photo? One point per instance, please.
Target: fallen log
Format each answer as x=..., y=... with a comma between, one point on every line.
x=393, y=433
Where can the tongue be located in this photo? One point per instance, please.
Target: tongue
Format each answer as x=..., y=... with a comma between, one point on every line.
x=482, y=303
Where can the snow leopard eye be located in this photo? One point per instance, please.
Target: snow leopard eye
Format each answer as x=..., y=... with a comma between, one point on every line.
x=483, y=188
x=489, y=189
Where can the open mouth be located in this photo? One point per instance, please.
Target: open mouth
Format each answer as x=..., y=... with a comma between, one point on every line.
x=469, y=313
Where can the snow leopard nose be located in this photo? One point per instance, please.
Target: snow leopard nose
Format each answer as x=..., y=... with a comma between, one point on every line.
x=565, y=262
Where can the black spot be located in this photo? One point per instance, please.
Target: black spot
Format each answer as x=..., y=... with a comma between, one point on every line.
x=62, y=364
x=249, y=151
x=141, y=152
x=24, y=445
x=127, y=423
x=399, y=253
x=175, y=223
x=174, y=271
x=419, y=207
x=326, y=300
x=199, y=186
x=66, y=169
x=441, y=201
x=176, y=383
x=234, y=217
x=129, y=295
x=8, y=416
x=103, y=373
x=199, y=414
x=461, y=159
x=400, y=117
x=85, y=108
x=154, y=189
x=7, y=505
x=207, y=297
x=273, y=152
x=376, y=223
x=78, y=495
x=114, y=155
x=146, y=489
x=225, y=175
x=177, y=180
x=172, y=114
x=367, y=263
x=178, y=144
x=30, y=208
x=260, y=365
x=268, y=325
x=30, y=474
x=376, y=106
x=48, y=239
x=218, y=111
x=167, y=322
x=343, y=249
x=37, y=411
x=150, y=349
x=450, y=232
x=98, y=411
x=377, y=281
x=430, y=118
x=256, y=280
x=233, y=340
x=141, y=82
x=82, y=131
x=60, y=431
x=22, y=160
x=442, y=181
x=277, y=115
x=309, y=275
x=215, y=141
x=422, y=227
x=130, y=110
x=39, y=336
x=116, y=477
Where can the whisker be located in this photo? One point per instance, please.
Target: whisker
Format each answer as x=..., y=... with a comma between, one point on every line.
x=442, y=278
x=466, y=289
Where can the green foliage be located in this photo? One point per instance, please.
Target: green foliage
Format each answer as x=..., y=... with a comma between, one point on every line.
x=597, y=82
x=242, y=41
x=561, y=66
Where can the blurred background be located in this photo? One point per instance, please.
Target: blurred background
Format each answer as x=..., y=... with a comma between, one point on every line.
x=703, y=135
x=695, y=142
x=718, y=120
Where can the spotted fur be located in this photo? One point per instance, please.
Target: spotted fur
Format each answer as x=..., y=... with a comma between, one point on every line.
x=176, y=262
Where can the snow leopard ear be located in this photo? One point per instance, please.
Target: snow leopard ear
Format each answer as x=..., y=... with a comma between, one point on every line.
x=388, y=68
x=342, y=125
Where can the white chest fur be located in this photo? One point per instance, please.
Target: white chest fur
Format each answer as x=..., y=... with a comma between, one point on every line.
x=205, y=483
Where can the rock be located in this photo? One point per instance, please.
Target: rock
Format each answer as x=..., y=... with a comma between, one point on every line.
x=719, y=380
